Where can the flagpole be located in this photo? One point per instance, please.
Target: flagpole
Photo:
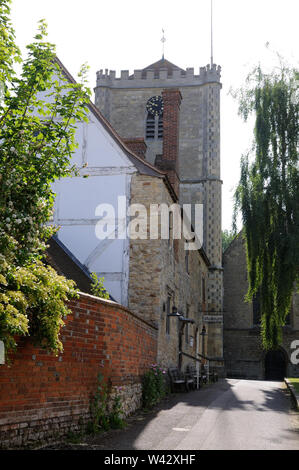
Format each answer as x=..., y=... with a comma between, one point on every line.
x=212, y=59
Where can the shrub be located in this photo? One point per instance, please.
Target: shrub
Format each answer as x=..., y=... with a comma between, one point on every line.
x=153, y=386
x=105, y=417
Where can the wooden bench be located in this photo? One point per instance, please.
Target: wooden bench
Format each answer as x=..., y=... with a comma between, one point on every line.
x=179, y=380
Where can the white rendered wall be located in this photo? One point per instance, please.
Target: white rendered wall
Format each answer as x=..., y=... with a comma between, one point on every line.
x=76, y=200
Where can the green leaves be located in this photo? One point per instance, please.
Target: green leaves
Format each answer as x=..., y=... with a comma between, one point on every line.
x=97, y=287
x=9, y=52
x=268, y=195
x=153, y=386
x=38, y=115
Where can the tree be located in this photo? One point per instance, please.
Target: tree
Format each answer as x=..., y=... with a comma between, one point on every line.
x=227, y=238
x=38, y=114
x=268, y=195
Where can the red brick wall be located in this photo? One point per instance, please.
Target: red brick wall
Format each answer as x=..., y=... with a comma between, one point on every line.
x=171, y=113
x=43, y=396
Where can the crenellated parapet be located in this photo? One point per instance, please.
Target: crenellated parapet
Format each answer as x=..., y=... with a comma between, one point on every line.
x=158, y=78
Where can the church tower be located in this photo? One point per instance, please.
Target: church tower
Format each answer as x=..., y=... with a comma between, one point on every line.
x=128, y=101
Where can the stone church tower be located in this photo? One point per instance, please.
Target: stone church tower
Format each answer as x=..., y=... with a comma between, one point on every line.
x=125, y=102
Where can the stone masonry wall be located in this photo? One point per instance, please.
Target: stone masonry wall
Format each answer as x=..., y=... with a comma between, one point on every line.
x=43, y=397
x=243, y=352
x=158, y=269
x=123, y=102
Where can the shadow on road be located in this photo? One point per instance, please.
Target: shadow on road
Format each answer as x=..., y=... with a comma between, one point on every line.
x=147, y=427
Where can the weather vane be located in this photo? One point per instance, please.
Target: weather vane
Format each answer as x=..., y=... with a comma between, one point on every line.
x=163, y=41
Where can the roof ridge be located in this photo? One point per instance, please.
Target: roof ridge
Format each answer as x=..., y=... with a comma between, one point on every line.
x=167, y=64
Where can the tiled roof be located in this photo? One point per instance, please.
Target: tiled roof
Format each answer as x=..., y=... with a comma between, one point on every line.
x=162, y=64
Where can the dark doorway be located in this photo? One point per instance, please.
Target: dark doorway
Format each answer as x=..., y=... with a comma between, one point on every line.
x=275, y=365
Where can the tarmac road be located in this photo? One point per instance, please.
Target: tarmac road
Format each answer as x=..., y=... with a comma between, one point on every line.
x=229, y=415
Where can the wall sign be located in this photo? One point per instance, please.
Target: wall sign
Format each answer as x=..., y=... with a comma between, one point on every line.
x=212, y=319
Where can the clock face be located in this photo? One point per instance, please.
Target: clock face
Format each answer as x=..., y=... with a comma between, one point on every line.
x=154, y=106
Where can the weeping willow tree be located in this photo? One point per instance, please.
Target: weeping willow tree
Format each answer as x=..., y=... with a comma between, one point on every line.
x=268, y=196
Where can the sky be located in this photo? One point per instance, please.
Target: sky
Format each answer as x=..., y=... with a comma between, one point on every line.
x=121, y=34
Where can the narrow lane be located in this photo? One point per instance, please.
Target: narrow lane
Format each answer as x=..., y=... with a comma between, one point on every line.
x=251, y=415
x=229, y=415
x=232, y=414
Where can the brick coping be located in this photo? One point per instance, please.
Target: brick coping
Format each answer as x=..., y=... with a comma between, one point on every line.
x=111, y=303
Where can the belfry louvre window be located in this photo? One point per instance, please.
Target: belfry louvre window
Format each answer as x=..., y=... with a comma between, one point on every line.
x=154, y=127
x=150, y=127
x=160, y=127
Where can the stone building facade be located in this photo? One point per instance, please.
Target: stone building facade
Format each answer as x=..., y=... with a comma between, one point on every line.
x=243, y=352
x=123, y=101
x=163, y=275
x=149, y=275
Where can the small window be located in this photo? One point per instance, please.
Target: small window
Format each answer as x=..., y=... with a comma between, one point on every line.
x=200, y=284
x=160, y=127
x=170, y=227
x=167, y=313
x=187, y=260
x=150, y=127
x=187, y=325
x=203, y=288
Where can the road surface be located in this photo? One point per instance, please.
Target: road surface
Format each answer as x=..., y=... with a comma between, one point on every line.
x=229, y=415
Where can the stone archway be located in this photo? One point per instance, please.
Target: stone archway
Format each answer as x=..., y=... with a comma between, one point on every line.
x=275, y=365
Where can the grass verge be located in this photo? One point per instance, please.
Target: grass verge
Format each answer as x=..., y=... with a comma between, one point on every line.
x=295, y=383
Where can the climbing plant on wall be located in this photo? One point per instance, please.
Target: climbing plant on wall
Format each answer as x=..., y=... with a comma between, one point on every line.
x=39, y=109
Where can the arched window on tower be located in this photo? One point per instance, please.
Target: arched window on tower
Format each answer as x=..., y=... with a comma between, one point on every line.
x=154, y=119
x=160, y=127
x=154, y=127
x=150, y=127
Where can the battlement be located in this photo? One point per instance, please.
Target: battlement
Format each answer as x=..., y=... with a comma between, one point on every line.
x=157, y=78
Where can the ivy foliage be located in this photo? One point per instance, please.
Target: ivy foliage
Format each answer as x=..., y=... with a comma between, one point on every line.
x=106, y=408
x=39, y=109
x=268, y=195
